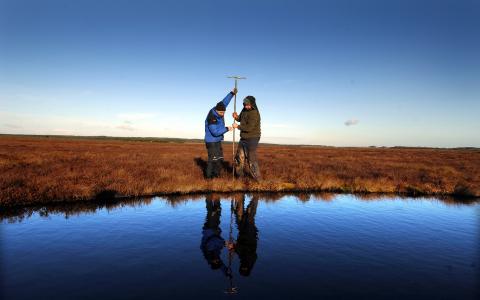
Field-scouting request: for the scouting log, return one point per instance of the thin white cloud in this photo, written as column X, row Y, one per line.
column 351, row 122
column 12, row 126
column 63, row 131
column 273, row 125
column 127, row 125
column 135, row 116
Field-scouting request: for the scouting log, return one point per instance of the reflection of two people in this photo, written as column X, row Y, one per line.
column 246, row 244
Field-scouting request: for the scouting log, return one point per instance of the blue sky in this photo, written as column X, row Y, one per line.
column 341, row 73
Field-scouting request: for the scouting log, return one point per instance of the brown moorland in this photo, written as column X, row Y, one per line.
column 53, row 169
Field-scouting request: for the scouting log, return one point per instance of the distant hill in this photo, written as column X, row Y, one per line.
column 182, row 141
column 103, row 137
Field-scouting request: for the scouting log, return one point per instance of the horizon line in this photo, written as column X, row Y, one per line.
column 199, row 140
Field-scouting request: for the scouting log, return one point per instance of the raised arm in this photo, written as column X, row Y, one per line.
column 229, row 97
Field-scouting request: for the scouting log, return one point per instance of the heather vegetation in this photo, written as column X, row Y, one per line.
column 42, row 169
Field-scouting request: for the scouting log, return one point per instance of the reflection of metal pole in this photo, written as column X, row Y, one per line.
column 231, row 289
column 234, row 110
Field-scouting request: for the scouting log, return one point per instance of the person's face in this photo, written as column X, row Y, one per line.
column 220, row 113
column 247, row 106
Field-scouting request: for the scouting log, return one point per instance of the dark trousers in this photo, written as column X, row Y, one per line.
column 247, row 156
column 215, row 159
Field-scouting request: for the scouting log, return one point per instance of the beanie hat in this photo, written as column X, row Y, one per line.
column 220, row 106
column 249, row 100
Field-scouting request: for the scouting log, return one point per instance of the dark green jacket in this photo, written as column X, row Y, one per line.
column 249, row 124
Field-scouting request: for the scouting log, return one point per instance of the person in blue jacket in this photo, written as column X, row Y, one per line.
column 214, row 130
column 212, row 241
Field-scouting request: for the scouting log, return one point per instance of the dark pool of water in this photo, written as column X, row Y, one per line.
column 284, row 247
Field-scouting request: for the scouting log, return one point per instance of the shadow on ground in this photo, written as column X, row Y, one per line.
column 202, row 164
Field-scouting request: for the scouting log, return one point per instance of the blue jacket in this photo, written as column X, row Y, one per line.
column 215, row 125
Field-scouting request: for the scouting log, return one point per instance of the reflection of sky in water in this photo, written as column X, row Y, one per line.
column 338, row 246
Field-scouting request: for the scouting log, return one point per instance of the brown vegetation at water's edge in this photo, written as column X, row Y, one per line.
column 38, row 170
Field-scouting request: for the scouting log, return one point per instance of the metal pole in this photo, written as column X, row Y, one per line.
column 234, row 121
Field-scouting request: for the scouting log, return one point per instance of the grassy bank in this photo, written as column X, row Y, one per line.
column 77, row 208
column 42, row 169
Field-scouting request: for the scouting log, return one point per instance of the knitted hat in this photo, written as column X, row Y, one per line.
column 249, row 100
column 220, row 106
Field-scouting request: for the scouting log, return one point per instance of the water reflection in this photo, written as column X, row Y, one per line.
column 70, row 209
column 212, row 241
column 351, row 246
column 245, row 244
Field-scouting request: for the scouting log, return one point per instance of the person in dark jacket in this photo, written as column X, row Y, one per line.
column 214, row 130
column 250, row 133
column 246, row 245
